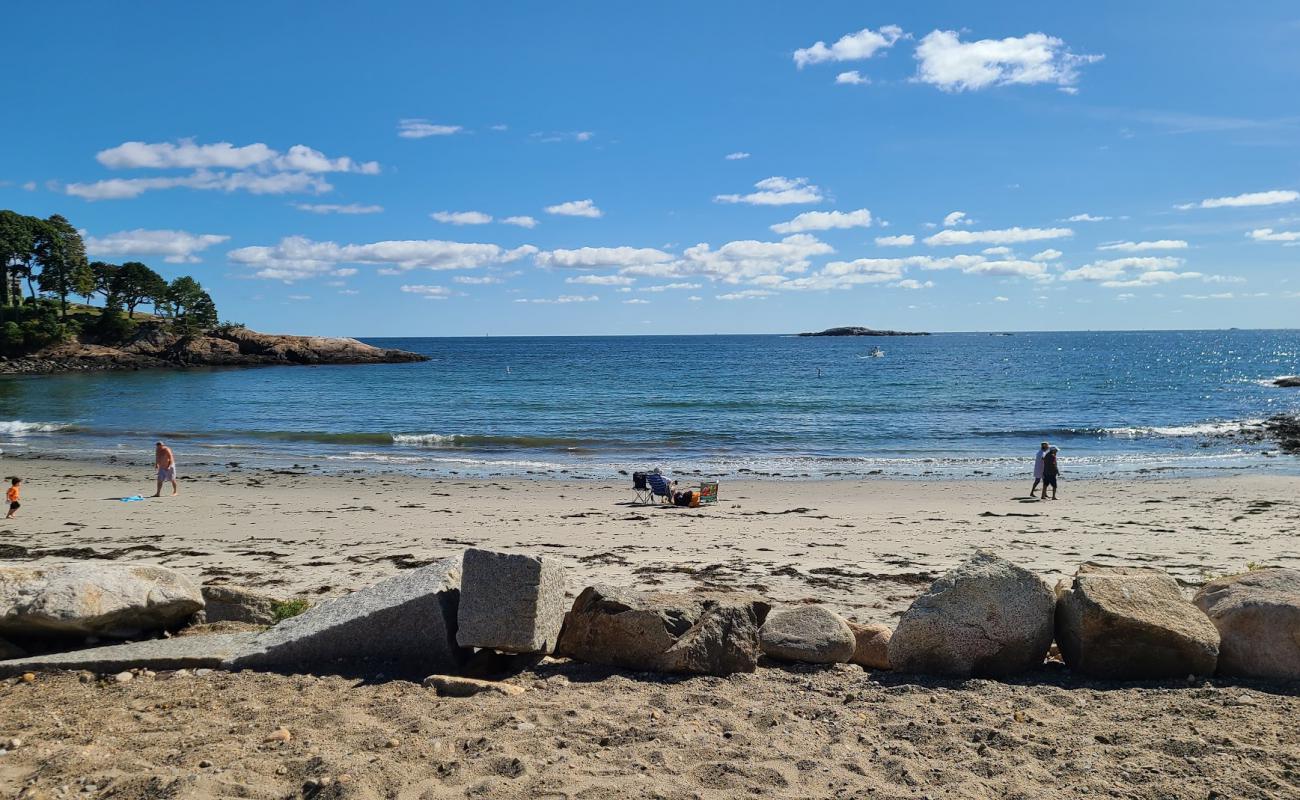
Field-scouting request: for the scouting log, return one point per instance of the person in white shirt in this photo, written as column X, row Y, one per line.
column 1038, row 466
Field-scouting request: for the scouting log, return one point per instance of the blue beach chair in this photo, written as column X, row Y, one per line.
column 659, row 487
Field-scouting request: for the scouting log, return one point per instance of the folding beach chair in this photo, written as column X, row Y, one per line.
column 642, row 488
column 708, row 492
column 659, row 487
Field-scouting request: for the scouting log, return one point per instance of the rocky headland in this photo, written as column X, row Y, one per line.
column 854, row 330
column 156, row 347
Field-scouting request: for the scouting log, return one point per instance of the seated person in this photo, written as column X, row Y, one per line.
column 660, row 485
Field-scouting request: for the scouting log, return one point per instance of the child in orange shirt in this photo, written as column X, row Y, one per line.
column 12, row 497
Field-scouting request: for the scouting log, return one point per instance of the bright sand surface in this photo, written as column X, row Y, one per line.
column 582, row 732
column 866, row 547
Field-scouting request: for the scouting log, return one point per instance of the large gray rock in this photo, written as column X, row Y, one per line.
column 510, row 602
column 704, row 633
column 408, row 620
column 1258, row 618
column 1132, row 623
column 93, row 599
column 176, row 653
column 225, row 603
column 813, row 634
column 985, row 618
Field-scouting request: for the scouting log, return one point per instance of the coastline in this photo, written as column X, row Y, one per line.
column 864, row 547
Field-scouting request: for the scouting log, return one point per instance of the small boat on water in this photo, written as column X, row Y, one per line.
column 876, row 352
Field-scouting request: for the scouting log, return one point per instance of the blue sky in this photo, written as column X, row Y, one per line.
column 729, row 167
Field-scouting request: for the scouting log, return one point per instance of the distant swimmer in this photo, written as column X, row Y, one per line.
column 819, row 372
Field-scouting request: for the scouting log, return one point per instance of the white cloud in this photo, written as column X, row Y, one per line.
column 562, row 299
column 600, row 280
column 1270, row 235
column 741, row 261
column 334, row 208
column 575, row 208
column 299, row 297
column 1001, row 250
column 176, row 247
column 349, row 291
column 462, row 217
column 1008, row 268
column 186, row 154
column 252, row 182
column 499, row 127
column 902, row 240
column 1150, row 279
column 1116, row 268
column 296, row 257
column 29, row 186
column 911, row 283
column 777, row 191
column 1137, row 247
column 1001, row 299
column 851, row 47
column 954, row 66
column 736, row 156
column 636, row 301
column 598, row 257
column 747, row 294
column 521, row 221
column 427, row 292
column 1085, row 218
column 852, row 78
column 1050, row 254
column 1004, row 236
column 1272, row 197
column 824, row 221
column 1216, row 296
column 583, row 136
column 956, row 218
column 668, row 287
column 422, row 128
column 476, row 280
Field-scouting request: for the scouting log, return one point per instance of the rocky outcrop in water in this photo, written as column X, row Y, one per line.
column 1288, row 382
column 156, row 347
column 858, row 331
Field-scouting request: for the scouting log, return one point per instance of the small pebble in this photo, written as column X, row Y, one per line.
column 204, row 764
column 29, row 677
column 123, row 677
column 391, row 743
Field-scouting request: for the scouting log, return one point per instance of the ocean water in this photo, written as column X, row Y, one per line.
column 944, row 405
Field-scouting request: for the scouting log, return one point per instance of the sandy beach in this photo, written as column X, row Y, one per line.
column 865, row 548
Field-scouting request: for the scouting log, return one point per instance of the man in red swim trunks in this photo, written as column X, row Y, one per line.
column 165, row 461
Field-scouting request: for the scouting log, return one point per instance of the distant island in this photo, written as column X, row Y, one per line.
column 858, row 331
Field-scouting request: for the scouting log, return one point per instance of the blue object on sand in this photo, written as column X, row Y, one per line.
column 132, row 498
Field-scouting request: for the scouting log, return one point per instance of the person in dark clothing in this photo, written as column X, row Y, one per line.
column 1050, row 470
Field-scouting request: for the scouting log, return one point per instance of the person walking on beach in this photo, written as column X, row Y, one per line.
column 1050, row 470
column 12, row 497
column 1038, row 467
column 165, row 462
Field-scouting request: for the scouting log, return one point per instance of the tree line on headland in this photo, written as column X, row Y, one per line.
column 48, row 256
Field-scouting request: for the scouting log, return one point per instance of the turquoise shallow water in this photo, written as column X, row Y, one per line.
column 948, row 404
